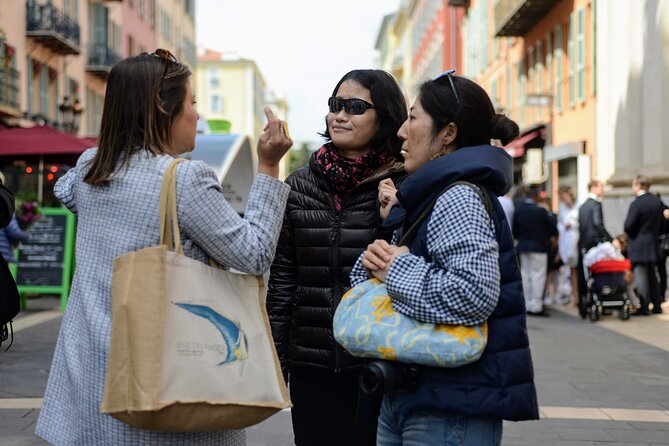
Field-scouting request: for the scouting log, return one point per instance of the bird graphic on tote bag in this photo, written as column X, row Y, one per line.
column 233, row 335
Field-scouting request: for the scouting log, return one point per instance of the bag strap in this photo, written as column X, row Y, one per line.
column 408, row 235
column 169, row 222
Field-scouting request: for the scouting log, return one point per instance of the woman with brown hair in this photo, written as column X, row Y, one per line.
column 148, row 119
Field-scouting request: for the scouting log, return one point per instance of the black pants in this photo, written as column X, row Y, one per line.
column 647, row 285
column 582, row 284
column 662, row 272
column 330, row 409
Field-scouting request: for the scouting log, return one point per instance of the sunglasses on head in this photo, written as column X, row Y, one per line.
column 166, row 57
column 352, row 106
column 449, row 75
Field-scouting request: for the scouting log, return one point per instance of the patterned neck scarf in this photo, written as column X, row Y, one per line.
column 345, row 173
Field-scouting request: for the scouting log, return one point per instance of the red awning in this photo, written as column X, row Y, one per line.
column 40, row 140
column 516, row 148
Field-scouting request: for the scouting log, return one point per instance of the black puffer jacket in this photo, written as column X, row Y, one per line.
column 316, row 251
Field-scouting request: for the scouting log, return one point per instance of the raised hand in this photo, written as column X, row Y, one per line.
column 387, row 197
column 272, row 144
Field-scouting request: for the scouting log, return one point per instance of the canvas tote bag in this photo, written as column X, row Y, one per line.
column 191, row 349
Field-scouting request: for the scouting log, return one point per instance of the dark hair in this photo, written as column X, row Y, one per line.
column 474, row 115
column 144, row 94
column 593, row 183
column 389, row 103
column 643, row 181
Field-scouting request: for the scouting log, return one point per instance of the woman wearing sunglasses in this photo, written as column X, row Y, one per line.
column 331, row 216
column 148, row 119
column 460, row 268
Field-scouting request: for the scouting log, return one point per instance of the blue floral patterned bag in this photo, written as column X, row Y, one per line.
column 366, row 325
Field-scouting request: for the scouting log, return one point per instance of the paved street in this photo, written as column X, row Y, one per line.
column 599, row 384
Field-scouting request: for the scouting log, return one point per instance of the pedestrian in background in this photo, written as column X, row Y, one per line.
column 591, row 233
column 643, row 226
column 6, row 205
column 148, row 119
column 332, row 215
column 507, row 204
column 664, row 251
column 459, row 268
column 10, row 236
column 533, row 228
column 568, row 238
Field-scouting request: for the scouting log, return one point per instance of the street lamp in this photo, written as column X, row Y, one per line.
column 71, row 114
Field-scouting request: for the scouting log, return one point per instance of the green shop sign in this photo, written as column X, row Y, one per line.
column 46, row 259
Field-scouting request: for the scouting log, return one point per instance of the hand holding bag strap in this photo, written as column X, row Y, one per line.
column 169, row 223
column 408, row 236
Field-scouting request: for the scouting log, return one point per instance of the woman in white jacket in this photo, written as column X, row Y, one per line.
column 568, row 243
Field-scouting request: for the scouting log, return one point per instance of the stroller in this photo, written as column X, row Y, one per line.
column 606, row 289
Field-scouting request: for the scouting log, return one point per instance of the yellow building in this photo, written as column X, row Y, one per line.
column 232, row 89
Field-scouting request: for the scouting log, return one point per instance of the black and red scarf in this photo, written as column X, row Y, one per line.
column 346, row 173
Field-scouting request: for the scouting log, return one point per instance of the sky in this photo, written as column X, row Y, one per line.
column 302, row 47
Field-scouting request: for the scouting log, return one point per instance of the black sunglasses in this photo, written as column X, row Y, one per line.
column 352, row 106
column 449, row 75
column 166, row 57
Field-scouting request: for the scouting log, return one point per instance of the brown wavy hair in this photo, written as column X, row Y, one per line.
column 144, row 94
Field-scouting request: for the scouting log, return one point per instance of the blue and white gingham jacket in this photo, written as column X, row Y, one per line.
column 119, row 218
column 460, row 283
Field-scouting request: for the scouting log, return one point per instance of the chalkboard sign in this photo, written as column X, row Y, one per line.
column 45, row 260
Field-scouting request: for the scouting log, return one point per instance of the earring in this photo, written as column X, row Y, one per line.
column 444, row 150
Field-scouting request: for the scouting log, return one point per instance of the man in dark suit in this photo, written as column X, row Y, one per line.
column 643, row 225
column 591, row 232
column 533, row 227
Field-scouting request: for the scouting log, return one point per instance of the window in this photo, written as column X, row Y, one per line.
column 55, row 98
column 215, row 104
column 521, row 90
column 531, row 75
column 31, row 92
column 571, row 56
column 214, row 78
column 580, row 55
column 558, row 68
column 494, row 95
column 593, row 47
column 509, row 96
column 44, row 90
column 549, row 64
column 483, row 23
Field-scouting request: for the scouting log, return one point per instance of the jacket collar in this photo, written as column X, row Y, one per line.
column 489, row 166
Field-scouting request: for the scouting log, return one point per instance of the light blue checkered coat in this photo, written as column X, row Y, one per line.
column 123, row 217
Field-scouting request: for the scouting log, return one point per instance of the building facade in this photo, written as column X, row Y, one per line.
column 55, row 55
column 232, row 89
column 537, row 61
column 632, row 100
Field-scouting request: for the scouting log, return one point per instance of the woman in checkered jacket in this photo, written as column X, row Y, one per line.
column 459, row 268
column 148, row 119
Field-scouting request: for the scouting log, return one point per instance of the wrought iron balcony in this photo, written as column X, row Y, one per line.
column 517, row 17
column 100, row 59
column 50, row 26
column 9, row 91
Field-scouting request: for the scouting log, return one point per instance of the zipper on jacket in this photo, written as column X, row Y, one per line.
column 336, row 298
